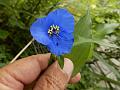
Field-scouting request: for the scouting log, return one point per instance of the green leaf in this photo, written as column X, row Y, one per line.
column 52, row 59
column 20, row 24
column 84, row 40
column 4, row 2
column 102, row 77
column 103, row 29
column 81, row 52
column 12, row 21
column 61, row 61
column 2, row 55
column 3, row 34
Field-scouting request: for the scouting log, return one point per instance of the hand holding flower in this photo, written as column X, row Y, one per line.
column 18, row 75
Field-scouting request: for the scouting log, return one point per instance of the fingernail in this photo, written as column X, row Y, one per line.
column 68, row 66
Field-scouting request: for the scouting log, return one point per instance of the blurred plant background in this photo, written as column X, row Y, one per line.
column 99, row 72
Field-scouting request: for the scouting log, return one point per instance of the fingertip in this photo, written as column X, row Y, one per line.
column 43, row 60
column 55, row 78
column 75, row 79
column 68, row 67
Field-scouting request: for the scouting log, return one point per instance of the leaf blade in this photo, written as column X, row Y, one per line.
column 3, row 34
column 60, row 61
column 82, row 51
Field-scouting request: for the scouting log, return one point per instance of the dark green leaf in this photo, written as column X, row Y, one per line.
column 2, row 55
column 81, row 52
column 20, row 24
column 4, row 2
column 13, row 21
column 52, row 59
column 61, row 61
column 3, row 34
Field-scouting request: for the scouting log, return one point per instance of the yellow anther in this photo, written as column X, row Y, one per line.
column 54, row 29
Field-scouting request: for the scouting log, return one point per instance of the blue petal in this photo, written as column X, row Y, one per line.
column 65, row 45
column 62, row 46
column 62, row 18
column 66, row 36
column 39, row 30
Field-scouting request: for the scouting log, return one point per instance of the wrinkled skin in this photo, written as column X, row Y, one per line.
column 28, row 73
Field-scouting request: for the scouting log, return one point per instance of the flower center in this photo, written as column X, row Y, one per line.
column 54, row 29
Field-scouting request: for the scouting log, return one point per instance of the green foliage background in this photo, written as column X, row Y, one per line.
column 97, row 35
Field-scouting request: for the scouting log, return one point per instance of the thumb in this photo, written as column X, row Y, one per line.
column 54, row 78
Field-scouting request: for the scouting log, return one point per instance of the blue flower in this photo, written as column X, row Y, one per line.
column 55, row 31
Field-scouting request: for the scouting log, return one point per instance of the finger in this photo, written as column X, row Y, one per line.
column 55, row 78
column 23, row 71
column 75, row 79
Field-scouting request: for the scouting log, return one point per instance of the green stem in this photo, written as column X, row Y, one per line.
column 108, row 79
column 52, row 59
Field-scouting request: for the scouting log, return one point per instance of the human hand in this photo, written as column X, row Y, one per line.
column 18, row 75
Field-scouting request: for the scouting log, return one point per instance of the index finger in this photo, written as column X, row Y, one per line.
column 27, row 69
